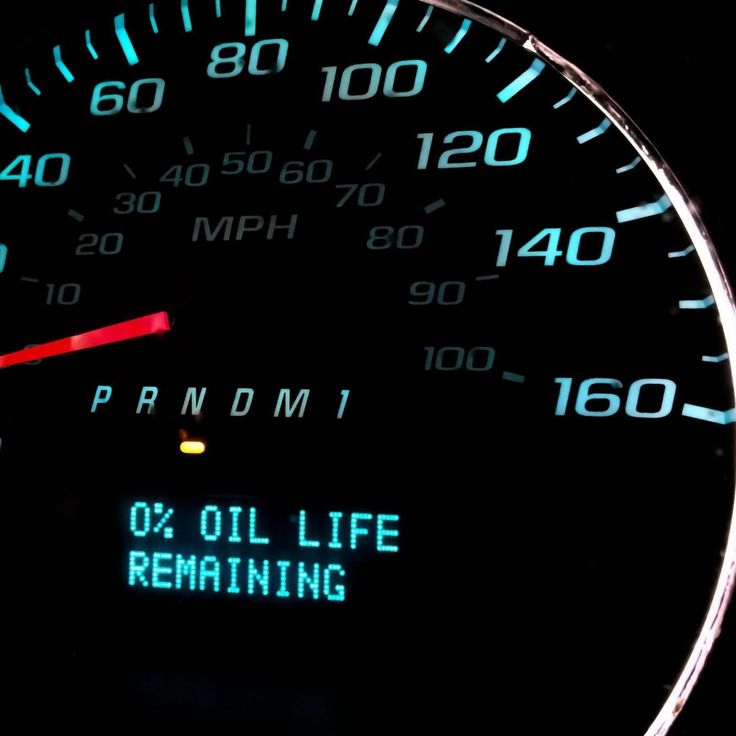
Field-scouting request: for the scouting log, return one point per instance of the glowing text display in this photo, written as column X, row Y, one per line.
column 243, row 551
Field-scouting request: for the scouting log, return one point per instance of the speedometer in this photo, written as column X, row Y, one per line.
column 364, row 367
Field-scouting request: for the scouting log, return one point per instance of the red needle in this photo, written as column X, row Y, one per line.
column 152, row 324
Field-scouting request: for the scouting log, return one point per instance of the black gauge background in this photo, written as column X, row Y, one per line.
column 670, row 71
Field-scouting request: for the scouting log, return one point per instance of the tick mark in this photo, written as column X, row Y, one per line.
column 316, row 9
column 645, row 210
column 706, row 303
column 36, row 91
column 565, row 100
column 186, row 16
column 459, row 36
column 129, row 171
column 11, row 116
column 682, row 253
column 311, row 137
column 513, row 377
column 714, row 416
column 30, row 280
column 78, row 216
column 715, row 358
column 492, row 277
column 374, row 161
column 126, row 44
column 496, row 51
column 251, row 11
column 152, row 17
column 595, row 133
column 61, row 66
column 434, row 206
column 188, row 147
column 383, row 23
column 423, row 22
column 522, row 81
column 629, row 167
column 90, row 46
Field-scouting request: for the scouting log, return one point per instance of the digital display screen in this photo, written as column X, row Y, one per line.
column 243, row 551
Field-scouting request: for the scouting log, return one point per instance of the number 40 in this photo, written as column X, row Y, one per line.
column 51, row 170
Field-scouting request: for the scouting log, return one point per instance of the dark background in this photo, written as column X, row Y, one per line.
column 671, row 72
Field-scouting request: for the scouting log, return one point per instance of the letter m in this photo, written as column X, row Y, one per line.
column 223, row 230
column 287, row 406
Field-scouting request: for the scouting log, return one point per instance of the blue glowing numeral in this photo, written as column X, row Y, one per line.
column 407, row 237
column 228, row 59
column 140, row 519
column 365, row 195
column 310, row 172
column 63, row 295
column 3, row 256
column 105, row 103
column 667, row 402
column 452, row 359
column 502, row 142
column 257, row 162
column 606, row 246
column 446, row 294
column 425, row 150
column 370, row 87
column 146, row 203
column 416, row 67
column 551, row 252
column 592, row 402
column 41, row 179
column 363, row 81
column 91, row 244
column 195, row 175
column 599, row 404
column 144, row 96
column 504, row 147
column 476, row 142
column 21, row 170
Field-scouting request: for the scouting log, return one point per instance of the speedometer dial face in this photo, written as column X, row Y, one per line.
column 363, row 369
